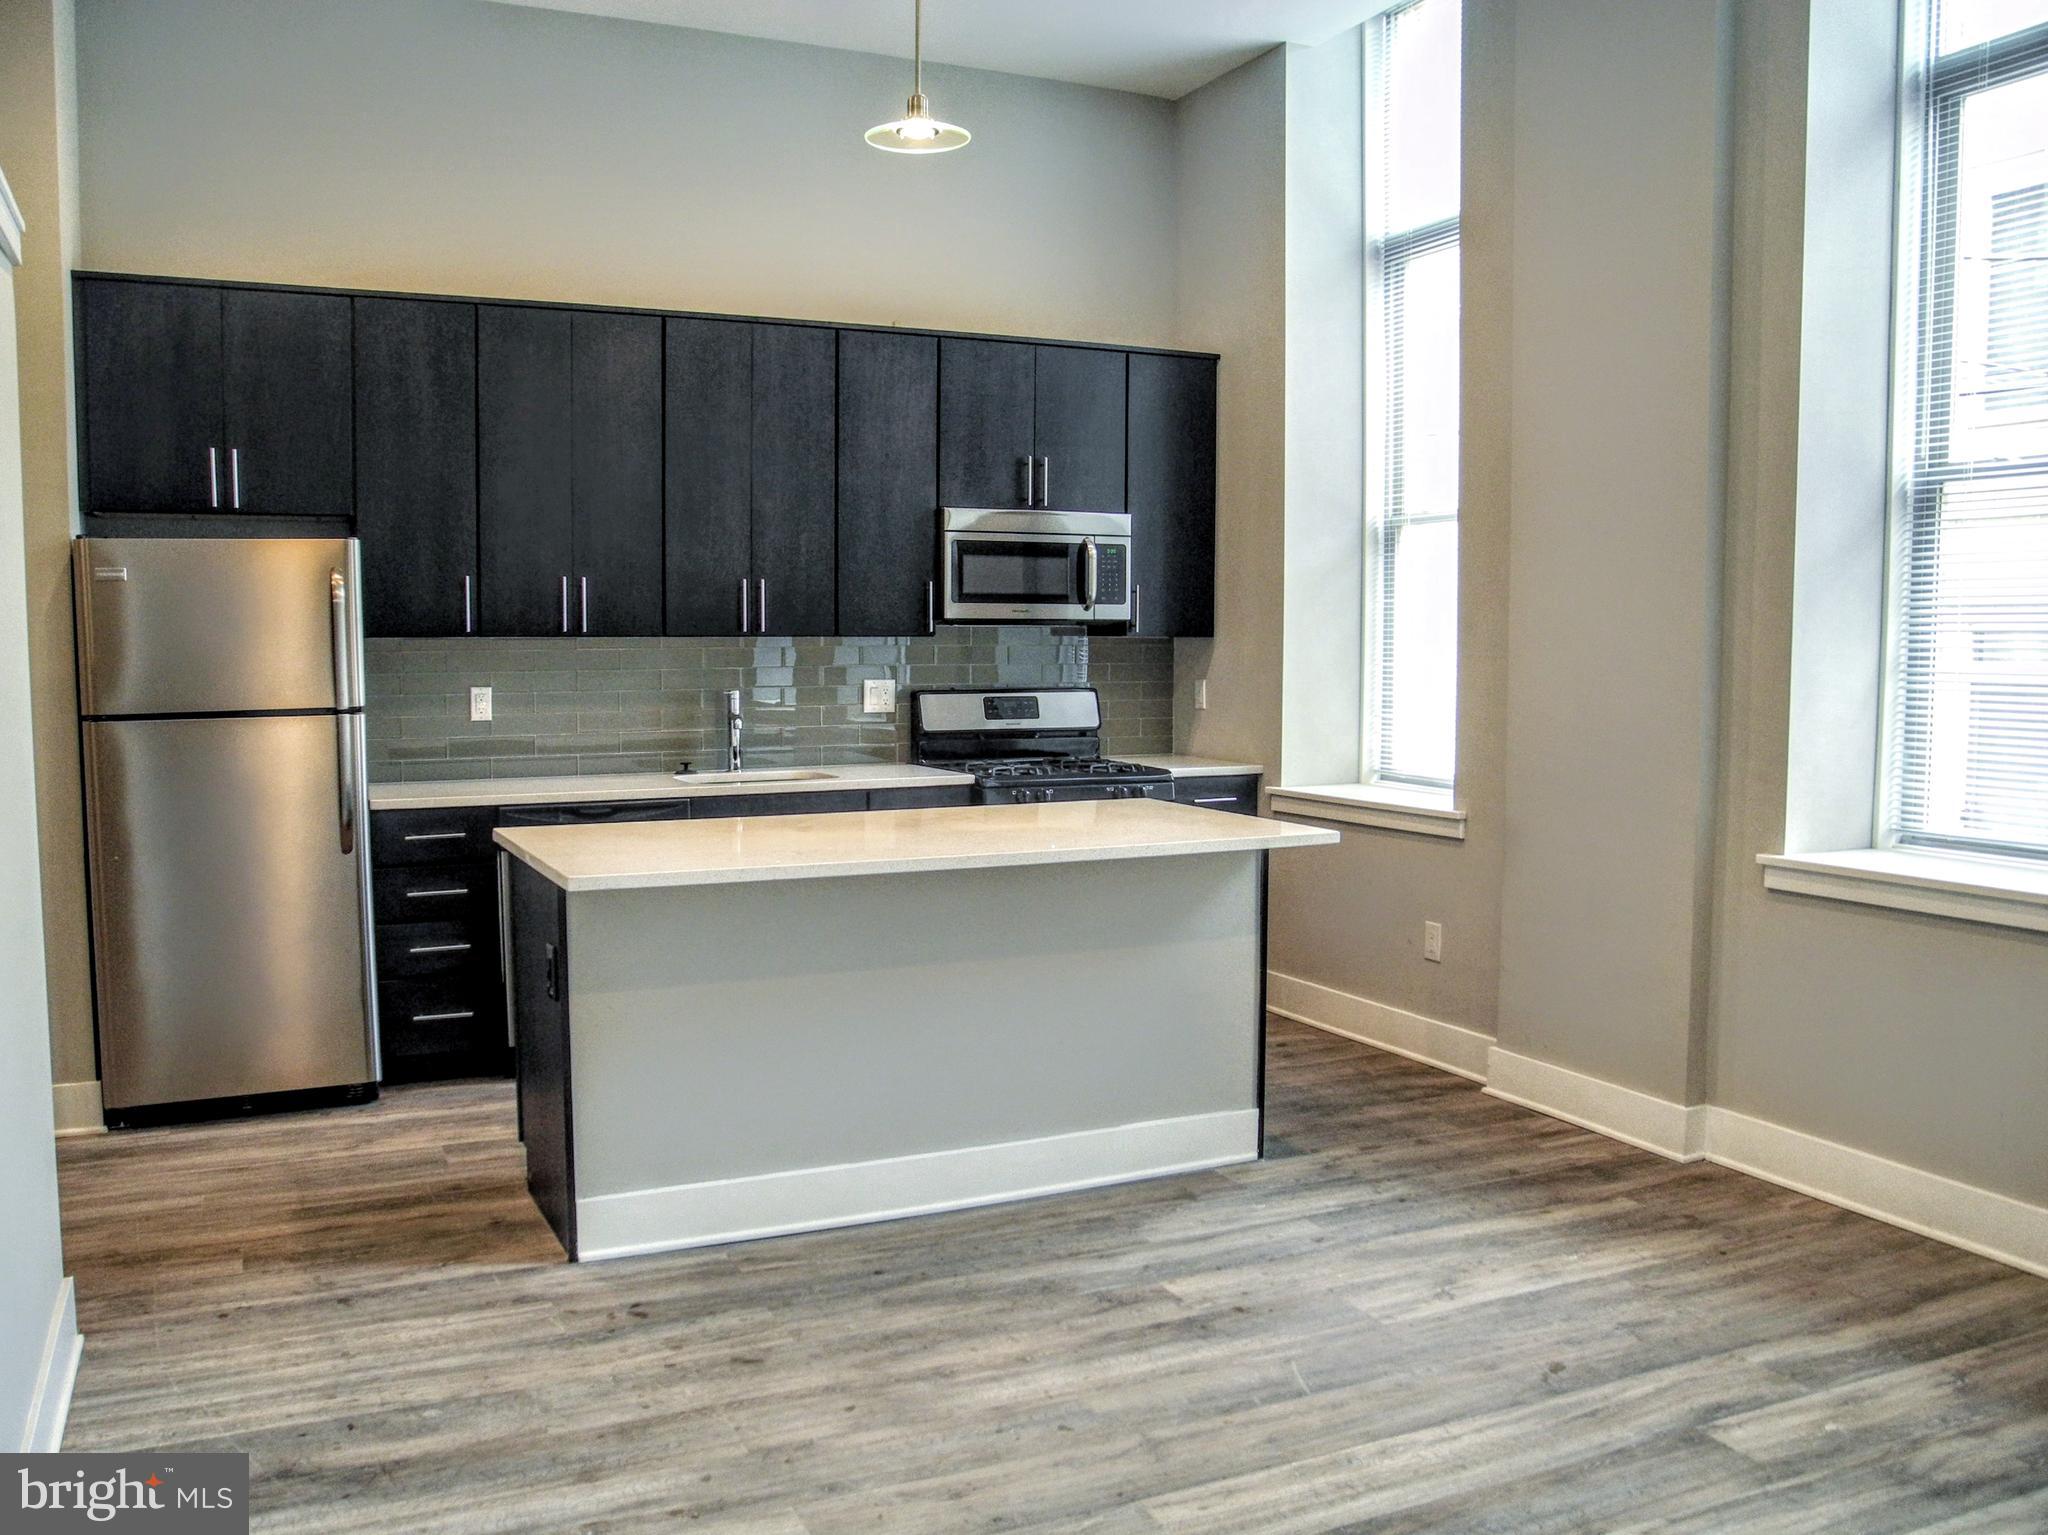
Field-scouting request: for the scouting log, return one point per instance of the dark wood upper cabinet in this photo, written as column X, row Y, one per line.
column 709, row 407
column 616, row 473
column 1172, row 435
column 1079, row 395
column 524, row 366
column 986, row 406
column 415, row 445
column 149, row 381
column 888, row 481
column 795, row 398
column 287, row 404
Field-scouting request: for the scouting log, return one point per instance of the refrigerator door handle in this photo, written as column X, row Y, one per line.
column 344, row 738
column 345, row 773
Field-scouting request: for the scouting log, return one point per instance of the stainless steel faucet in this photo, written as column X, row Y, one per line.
column 732, row 731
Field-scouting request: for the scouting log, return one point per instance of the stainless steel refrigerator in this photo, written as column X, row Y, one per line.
column 221, row 693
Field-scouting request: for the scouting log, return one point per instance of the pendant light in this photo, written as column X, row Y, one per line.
column 917, row 132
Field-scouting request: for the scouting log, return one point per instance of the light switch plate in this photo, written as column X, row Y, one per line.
column 479, row 705
column 878, row 695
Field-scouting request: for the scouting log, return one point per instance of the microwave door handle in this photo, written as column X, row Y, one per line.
column 1091, row 564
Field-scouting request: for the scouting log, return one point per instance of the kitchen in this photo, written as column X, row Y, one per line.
column 717, row 827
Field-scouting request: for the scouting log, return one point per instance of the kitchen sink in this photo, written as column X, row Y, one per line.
column 757, row 775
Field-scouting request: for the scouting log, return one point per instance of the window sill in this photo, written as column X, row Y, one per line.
column 1983, row 890
column 1424, row 812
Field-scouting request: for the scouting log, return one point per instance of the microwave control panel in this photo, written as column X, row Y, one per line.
column 1112, row 575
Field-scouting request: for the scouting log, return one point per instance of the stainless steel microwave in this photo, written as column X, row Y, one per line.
column 1034, row 567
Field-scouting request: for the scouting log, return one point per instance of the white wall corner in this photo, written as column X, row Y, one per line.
column 1674, row 1130
column 50, row 1408
column 11, row 225
column 77, row 1108
column 1447, row 1046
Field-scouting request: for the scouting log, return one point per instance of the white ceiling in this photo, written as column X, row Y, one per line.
column 1155, row 47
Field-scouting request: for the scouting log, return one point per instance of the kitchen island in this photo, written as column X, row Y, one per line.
column 741, row 1028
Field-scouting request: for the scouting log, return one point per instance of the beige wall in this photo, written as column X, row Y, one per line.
column 39, row 147
column 1230, row 177
column 31, row 1277
column 464, row 147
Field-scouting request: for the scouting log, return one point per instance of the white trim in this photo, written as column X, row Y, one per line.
column 1674, row 1130
column 12, row 226
column 1928, row 1204
column 1446, row 1046
column 49, row 1408
column 1975, row 1219
column 855, row 1193
column 77, row 1108
column 2001, row 892
column 1425, row 812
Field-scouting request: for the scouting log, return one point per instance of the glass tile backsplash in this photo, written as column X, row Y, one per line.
column 564, row 706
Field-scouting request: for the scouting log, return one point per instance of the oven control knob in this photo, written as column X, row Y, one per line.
column 1045, row 796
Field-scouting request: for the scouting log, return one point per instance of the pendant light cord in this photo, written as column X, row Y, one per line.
column 917, row 48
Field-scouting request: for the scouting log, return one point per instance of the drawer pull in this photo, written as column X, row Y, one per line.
column 443, row 1017
column 427, row 895
column 440, row 948
column 435, row 836
column 1223, row 799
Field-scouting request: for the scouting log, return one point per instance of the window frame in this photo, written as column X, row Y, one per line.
column 1387, row 255
column 1934, row 92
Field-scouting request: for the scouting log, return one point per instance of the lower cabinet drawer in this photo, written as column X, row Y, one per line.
column 430, row 836
column 921, row 799
column 418, row 950
column 442, row 1026
column 1238, row 795
column 436, row 893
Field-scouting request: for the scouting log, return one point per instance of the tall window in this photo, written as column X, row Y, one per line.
column 1411, row 661
column 1967, row 747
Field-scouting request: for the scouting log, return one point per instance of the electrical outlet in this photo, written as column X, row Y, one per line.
column 1201, row 692
column 479, row 705
column 878, row 695
column 1433, row 942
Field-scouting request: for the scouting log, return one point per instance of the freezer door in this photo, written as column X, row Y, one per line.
column 217, row 625
column 229, row 919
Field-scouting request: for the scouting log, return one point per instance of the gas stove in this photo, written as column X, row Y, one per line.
column 1027, row 745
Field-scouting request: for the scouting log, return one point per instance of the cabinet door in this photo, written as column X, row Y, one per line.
column 149, row 384
column 287, row 403
column 415, row 446
column 1080, row 429
column 985, row 421
column 888, row 481
column 708, row 490
column 1173, row 494
column 796, row 371
column 617, row 472
column 523, row 476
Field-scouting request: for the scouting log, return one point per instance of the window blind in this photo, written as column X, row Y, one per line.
column 1967, row 748
column 1413, row 84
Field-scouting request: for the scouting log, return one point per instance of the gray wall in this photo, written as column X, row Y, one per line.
column 1619, row 275
column 32, row 1274
column 463, row 147
column 638, row 705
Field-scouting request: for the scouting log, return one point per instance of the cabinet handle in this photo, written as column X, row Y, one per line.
column 746, row 623
column 565, row 604
column 213, row 477
column 235, row 476
column 444, row 1017
column 464, row 948
column 931, row 608
column 435, row 836
column 763, row 605
column 584, row 585
column 1030, row 480
column 468, row 605
column 1045, row 482
column 428, row 895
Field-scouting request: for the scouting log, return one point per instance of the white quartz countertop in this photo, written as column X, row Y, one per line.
column 592, row 788
column 661, row 854
column 1196, row 767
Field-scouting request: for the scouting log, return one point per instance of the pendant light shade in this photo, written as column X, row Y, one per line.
column 917, row 132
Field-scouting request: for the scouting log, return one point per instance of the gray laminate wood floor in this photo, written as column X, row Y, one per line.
column 1426, row 1310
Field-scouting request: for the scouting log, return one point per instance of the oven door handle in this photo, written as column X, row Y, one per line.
column 1091, row 565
